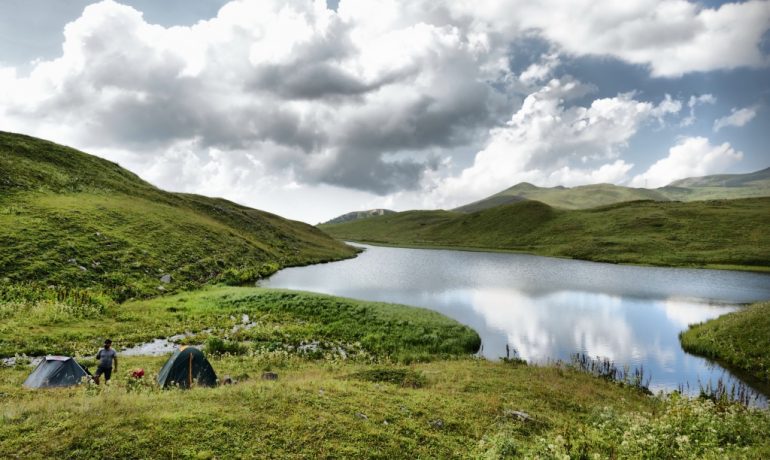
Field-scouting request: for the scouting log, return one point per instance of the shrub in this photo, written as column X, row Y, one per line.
column 217, row 346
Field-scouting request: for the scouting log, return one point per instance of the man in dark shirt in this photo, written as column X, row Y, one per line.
column 107, row 357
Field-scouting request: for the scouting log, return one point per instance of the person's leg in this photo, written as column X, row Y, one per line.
column 107, row 374
column 98, row 374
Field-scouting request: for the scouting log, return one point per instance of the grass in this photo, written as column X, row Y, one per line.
column 278, row 320
column 462, row 409
column 741, row 340
column 75, row 220
column 355, row 379
column 720, row 234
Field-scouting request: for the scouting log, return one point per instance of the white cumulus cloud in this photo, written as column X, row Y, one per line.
column 694, row 102
column 672, row 37
column 549, row 143
column 737, row 118
column 690, row 157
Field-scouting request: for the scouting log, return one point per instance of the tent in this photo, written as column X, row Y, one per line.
column 56, row 371
column 185, row 367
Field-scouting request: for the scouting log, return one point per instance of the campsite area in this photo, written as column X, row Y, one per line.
column 348, row 396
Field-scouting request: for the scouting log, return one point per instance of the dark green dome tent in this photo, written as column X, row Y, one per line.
column 56, row 371
column 185, row 367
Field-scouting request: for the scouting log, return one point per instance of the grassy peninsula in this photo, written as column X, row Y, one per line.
column 738, row 339
column 717, row 234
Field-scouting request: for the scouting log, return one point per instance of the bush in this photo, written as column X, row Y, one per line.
column 217, row 346
column 245, row 275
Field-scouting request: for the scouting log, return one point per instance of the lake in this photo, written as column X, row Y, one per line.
column 547, row 309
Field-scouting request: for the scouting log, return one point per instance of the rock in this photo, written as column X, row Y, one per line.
column 517, row 415
column 227, row 380
column 269, row 376
column 72, row 261
column 165, row 278
column 438, row 423
column 82, row 268
column 362, row 416
column 161, row 288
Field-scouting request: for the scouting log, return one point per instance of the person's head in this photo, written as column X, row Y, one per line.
column 107, row 343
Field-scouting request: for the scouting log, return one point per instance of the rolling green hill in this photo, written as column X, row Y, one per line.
column 725, row 186
column 719, row 186
column 724, row 233
column 583, row 197
column 74, row 220
column 357, row 215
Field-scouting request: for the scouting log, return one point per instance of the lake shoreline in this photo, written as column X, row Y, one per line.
column 734, row 268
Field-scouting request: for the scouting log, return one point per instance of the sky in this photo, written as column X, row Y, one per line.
column 310, row 109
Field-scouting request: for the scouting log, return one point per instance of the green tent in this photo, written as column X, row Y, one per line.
column 56, row 371
column 185, row 368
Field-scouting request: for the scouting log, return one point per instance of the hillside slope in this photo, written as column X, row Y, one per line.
column 71, row 219
column 727, row 233
column 719, row 186
column 723, row 186
column 583, row 197
column 357, row 215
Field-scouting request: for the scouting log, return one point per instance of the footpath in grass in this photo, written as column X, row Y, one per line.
column 740, row 339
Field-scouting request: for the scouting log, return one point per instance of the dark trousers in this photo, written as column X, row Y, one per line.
column 107, row 371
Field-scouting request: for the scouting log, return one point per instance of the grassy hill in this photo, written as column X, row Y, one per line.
column 71, row 219
column 723, row 233
column 725, row 186
column 720, row 186
column 583, row 197
column 357, row 215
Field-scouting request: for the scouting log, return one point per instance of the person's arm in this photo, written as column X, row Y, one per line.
column 99, row 354
column 115, row 362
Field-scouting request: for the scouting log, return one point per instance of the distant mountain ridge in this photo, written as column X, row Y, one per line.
column 722, row 186
column 358, row 215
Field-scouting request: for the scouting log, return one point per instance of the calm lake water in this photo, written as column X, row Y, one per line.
column 546, row 308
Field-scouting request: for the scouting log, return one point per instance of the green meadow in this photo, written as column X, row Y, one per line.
column 715, row 234
column 417, row 394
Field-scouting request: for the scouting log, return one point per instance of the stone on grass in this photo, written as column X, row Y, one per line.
column 269, row 376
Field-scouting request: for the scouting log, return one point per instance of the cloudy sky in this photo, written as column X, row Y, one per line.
column 310, row 108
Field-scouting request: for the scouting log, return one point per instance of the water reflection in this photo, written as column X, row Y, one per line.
column 547, row 309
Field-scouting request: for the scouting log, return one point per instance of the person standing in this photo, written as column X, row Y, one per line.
column 108, row 360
